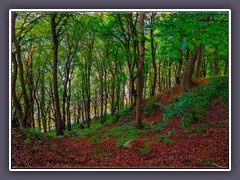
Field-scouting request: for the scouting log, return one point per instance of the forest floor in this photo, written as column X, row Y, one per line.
column 155, row 146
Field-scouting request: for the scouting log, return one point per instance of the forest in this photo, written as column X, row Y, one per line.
column 119, row 89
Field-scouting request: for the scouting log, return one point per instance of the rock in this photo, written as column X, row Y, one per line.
column 128, row 144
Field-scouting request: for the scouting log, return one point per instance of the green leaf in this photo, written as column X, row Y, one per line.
column 184, row 45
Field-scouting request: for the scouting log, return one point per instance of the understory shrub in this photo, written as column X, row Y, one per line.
column 191, row 106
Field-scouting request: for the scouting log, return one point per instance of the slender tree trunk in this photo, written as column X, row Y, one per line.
column 39, row 115
column 78, row 112
column 113, row 95
column 199, row 61
column 159, row 76
column 140, row 77
column 204, row 67
column 101, row 97
column 24, row 114
column 83, row 107
column 106, row 91
column 226, row 68
column 55, row 83
column 169, row 72
column 16, row 102
column 49, row 117
column 163, row 68
column 178, row 78
column 153, row 52
column 215, row 70
column 68, row 107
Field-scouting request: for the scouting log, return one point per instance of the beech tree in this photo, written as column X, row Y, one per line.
column 140, row 77
column 78, row 67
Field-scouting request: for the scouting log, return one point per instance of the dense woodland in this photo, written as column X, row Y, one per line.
column 75, row 74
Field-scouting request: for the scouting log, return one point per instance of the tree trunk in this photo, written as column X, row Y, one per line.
column 24, row 114
column 178, row 78
column 153, row 53
column 16, row 102
column 169, row 72
column 55, row 83
column 226, row 68
column 68, row 107
column 199, row 61
column 139, row 77
column 113, row 95
column 106, row 92
column 187, row 76
column 215, row 69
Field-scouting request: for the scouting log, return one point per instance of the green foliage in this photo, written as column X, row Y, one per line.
column 123, row 112
column 224, row 123
column 54, row 146
column 212, row 123
column 144, row 150
column 191, row 106
column 105, row 154
column 148, row 109
column 122, row 141
column 166, row 138
column 95, row 140
column 33, row 133
column 208, row 161
column 158, row 127
column 132, row 133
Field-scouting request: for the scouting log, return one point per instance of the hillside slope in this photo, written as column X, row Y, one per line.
column 188, row 131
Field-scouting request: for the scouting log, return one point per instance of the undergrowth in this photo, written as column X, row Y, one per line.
column 191, row 106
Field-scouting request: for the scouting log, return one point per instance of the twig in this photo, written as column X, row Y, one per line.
column 218, row 165
column 150, row 157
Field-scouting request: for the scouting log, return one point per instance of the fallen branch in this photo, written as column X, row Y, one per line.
column 150, row 157
column 214, row 164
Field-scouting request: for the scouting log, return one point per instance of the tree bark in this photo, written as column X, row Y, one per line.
column 153, row 53
column 187, row 76
column 199, row 61
column 178, row 78
column 215, row 69
column 68, row 107
column 55, row 83
column 24, row 114
column 140, row 77
column 226, row 68
column 16, row 102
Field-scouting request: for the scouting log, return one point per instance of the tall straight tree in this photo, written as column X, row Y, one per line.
column 56, row 32
column 153, row 54
column 139, row 123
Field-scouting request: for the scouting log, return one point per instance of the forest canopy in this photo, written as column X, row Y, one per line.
column 72, row 67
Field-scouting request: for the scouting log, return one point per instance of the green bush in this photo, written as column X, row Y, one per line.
column 148, row 109
column 33, row 133
column 191, row 106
